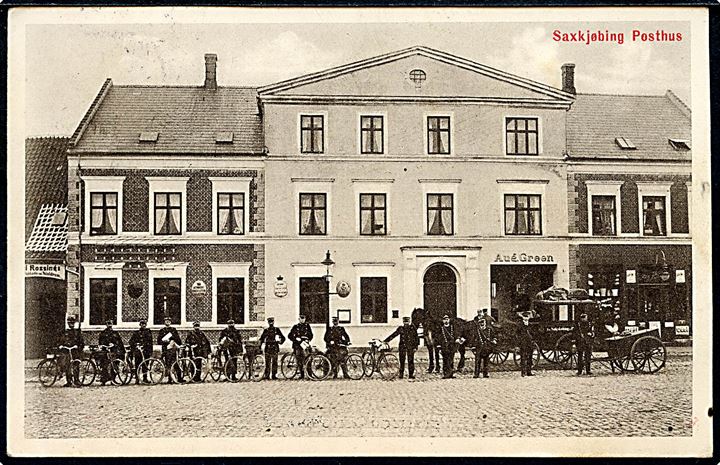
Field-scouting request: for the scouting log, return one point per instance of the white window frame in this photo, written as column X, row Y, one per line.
column 449, row 114
column 360, row 115
column 324, row 114
column 97, row 184
column 171, row 185
column 163, row 270
column 313, row 186
column 539, row 130
column 604, row 188
column 231, row 270
column 372, row 186
column 238, row 185
column 101, row 271
column 531, row 187
column 440, row 186
column 372, row 270
column 657, row 189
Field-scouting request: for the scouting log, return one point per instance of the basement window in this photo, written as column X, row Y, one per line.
column 624, row 143
column 148, row 136
column 679, row 144
column 224, row 138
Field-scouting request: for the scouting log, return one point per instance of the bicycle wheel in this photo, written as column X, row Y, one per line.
column 368, row 363
column 234, row 369
column 257, row 368
column 183, row 371
column 388, row 366
column 47, row 372
column 289, row 366
column 120, row 373
column 204, row 368
column 86, row 371
column 151, row 370
column 354, row 366
column 216, row 368
column 318, row 367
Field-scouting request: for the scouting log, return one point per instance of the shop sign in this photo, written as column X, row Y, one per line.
column 632, row 329
column 281, row 289
column 342, row 289
column 630, row 277
column 679, row 276
column 39, row 270
column 198, row 288
column 682, row 330
column 524, row 258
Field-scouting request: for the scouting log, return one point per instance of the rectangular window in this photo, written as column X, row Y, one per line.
column 371, row 134
column 373, row 300
column 166, row 300
column 440, row 214
column 167, row 213
column 438, row 135
column 103, row 213
column 314, row 300
column 231, row 213
column 523, row 215
column 103, row 300
column 603, row 215
column 654, row 216
column 231, row 300
column 312, row 130
column 313, row 214
column 372, row 214
column 521, row 136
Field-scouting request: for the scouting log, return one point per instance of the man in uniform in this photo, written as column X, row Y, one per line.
column 272, row 337
column 447, row 341
column 584, row 335
column 489, row 320
column 169, row 339
column 231, row 343
column 114, row 343
column 72, row 339
column 141, row 347
column 299, row 333
column 485, row 341
column 336, row 342
column 407, row 346
column 525, row 343
column 200, row 345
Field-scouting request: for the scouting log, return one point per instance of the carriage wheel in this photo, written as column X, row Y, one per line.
column 235, row 369
column 318, row 367
column 388, row 367
column 549, row 354
column 625, row 364
column 257, row 368
column 354, row 366
column 368, row 363
column 648, row 354
column 566, row 352
column 47, row 372
column 497, row 357
column 289, row 366
column 535, row 356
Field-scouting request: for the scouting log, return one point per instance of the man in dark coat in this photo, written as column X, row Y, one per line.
column 484, row 340
column 272, row 337
column 336, row 341
column 200, row 345
column 584, row 334
column 169, row 339
column 141, row 347
column 113, row 343
column 447, row 340
column 231, row 344
column 299, row 333
column 525, row 343
column 407, row 346
column 71, row 339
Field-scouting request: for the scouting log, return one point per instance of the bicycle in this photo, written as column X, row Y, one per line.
column 251, row 362
column 319, row 367
column 152, row 369
column 385, row 363
column 49, row 370
column 119, row 371
column 214, row 366
column 289, row 366
column 183, row 369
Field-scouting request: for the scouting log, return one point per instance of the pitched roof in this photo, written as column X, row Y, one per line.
column 647, row 122
column 49, row 233
column 45, row 175
column 187, row 120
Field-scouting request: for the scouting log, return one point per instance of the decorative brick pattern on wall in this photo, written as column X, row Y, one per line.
column 74, row 296
column 257, row 284
column 573, row 264
column 133, row 309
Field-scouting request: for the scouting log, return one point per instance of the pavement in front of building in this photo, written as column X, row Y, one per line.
column 552, row 403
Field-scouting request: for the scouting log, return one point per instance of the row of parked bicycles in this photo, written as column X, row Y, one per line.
column 188, row 368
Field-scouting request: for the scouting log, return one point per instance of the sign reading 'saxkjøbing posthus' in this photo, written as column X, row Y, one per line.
column 524, row 258
column 43, row 270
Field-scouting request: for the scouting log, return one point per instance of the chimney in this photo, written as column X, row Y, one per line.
column 568, row 78
column 210, row 71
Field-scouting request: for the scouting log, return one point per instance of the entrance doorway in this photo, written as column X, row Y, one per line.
column 514, row 286
column 440, row 291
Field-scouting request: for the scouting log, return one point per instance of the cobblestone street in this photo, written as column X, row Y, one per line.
column 553, row 403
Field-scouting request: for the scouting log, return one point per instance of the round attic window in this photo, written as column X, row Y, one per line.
column 418, row 76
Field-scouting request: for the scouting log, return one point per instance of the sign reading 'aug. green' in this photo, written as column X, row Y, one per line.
column 524, row 258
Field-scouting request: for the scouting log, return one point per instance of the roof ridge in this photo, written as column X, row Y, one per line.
column 677, row 101
column 620, row 95
column 97, row 101
column 48, row 136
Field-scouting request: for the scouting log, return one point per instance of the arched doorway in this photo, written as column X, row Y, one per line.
column 440, row 291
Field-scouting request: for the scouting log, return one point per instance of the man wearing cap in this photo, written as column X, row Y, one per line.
column 71, row 339
column 141, row 347
column 114, row 343
column 169, row 339
column 299, row 333
column 525, row 343
column 273, row 338
column 336, row 342
column 407, row 346
column 231, row 344
column 447, row 343
column 584, row 334
column 200, row 345
column 489, row 319
column 483, row 338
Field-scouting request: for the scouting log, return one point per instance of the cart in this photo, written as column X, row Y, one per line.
column 554, row 337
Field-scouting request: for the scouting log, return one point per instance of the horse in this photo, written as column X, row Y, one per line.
column 431, row 329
